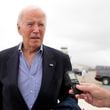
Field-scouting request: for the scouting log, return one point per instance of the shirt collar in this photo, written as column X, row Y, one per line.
column 21, row 44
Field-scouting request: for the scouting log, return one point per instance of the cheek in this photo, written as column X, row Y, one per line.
column 42, row 34
column 26, row 31
column 42, row 37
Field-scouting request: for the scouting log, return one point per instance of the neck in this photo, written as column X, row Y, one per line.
column 30, row 50
column 29, row 53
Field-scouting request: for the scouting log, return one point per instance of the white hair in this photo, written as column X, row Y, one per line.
column 28, row 8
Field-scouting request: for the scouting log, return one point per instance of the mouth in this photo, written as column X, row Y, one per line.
column 35, row 38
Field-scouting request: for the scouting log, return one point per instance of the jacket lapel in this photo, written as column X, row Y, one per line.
column 49, row 65
column 12, row 68
column 12, row 72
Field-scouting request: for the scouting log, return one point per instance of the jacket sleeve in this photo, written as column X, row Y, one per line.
column 1, row 102
column 67, row 102
column 1, row 96
column 66, row 83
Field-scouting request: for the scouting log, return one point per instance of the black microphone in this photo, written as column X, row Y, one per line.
column 74, row 82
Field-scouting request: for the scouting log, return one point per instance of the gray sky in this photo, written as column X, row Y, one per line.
column 81, row 25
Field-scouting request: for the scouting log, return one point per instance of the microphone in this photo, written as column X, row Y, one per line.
column 74, row 82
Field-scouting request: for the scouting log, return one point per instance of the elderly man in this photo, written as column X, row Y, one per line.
column 32, row 75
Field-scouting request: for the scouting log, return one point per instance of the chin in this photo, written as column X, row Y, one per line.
column 35, row 46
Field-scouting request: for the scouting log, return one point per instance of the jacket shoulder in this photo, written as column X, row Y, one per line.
column 55, row 51
column 7, row 52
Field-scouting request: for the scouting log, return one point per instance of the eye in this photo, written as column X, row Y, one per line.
column 30, row 24
column 41, row 24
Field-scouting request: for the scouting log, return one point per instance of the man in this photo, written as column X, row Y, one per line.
column 94, row 94
column 32, row 75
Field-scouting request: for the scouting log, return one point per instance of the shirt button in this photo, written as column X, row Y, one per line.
column 30, row 106
column 31, row 91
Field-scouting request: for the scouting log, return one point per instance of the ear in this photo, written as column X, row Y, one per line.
column 18, row 26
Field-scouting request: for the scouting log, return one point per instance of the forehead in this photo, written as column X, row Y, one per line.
column 32, row 14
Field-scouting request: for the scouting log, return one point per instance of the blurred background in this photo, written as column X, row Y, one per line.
column 80, row 28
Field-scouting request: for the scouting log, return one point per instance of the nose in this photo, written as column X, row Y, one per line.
column 36, row 28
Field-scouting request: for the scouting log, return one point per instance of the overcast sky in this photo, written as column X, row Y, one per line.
column 81, row 25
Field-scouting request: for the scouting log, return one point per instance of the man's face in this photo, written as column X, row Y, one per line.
column 32, row 28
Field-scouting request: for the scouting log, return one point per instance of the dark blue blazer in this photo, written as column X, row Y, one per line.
column 55, row 83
